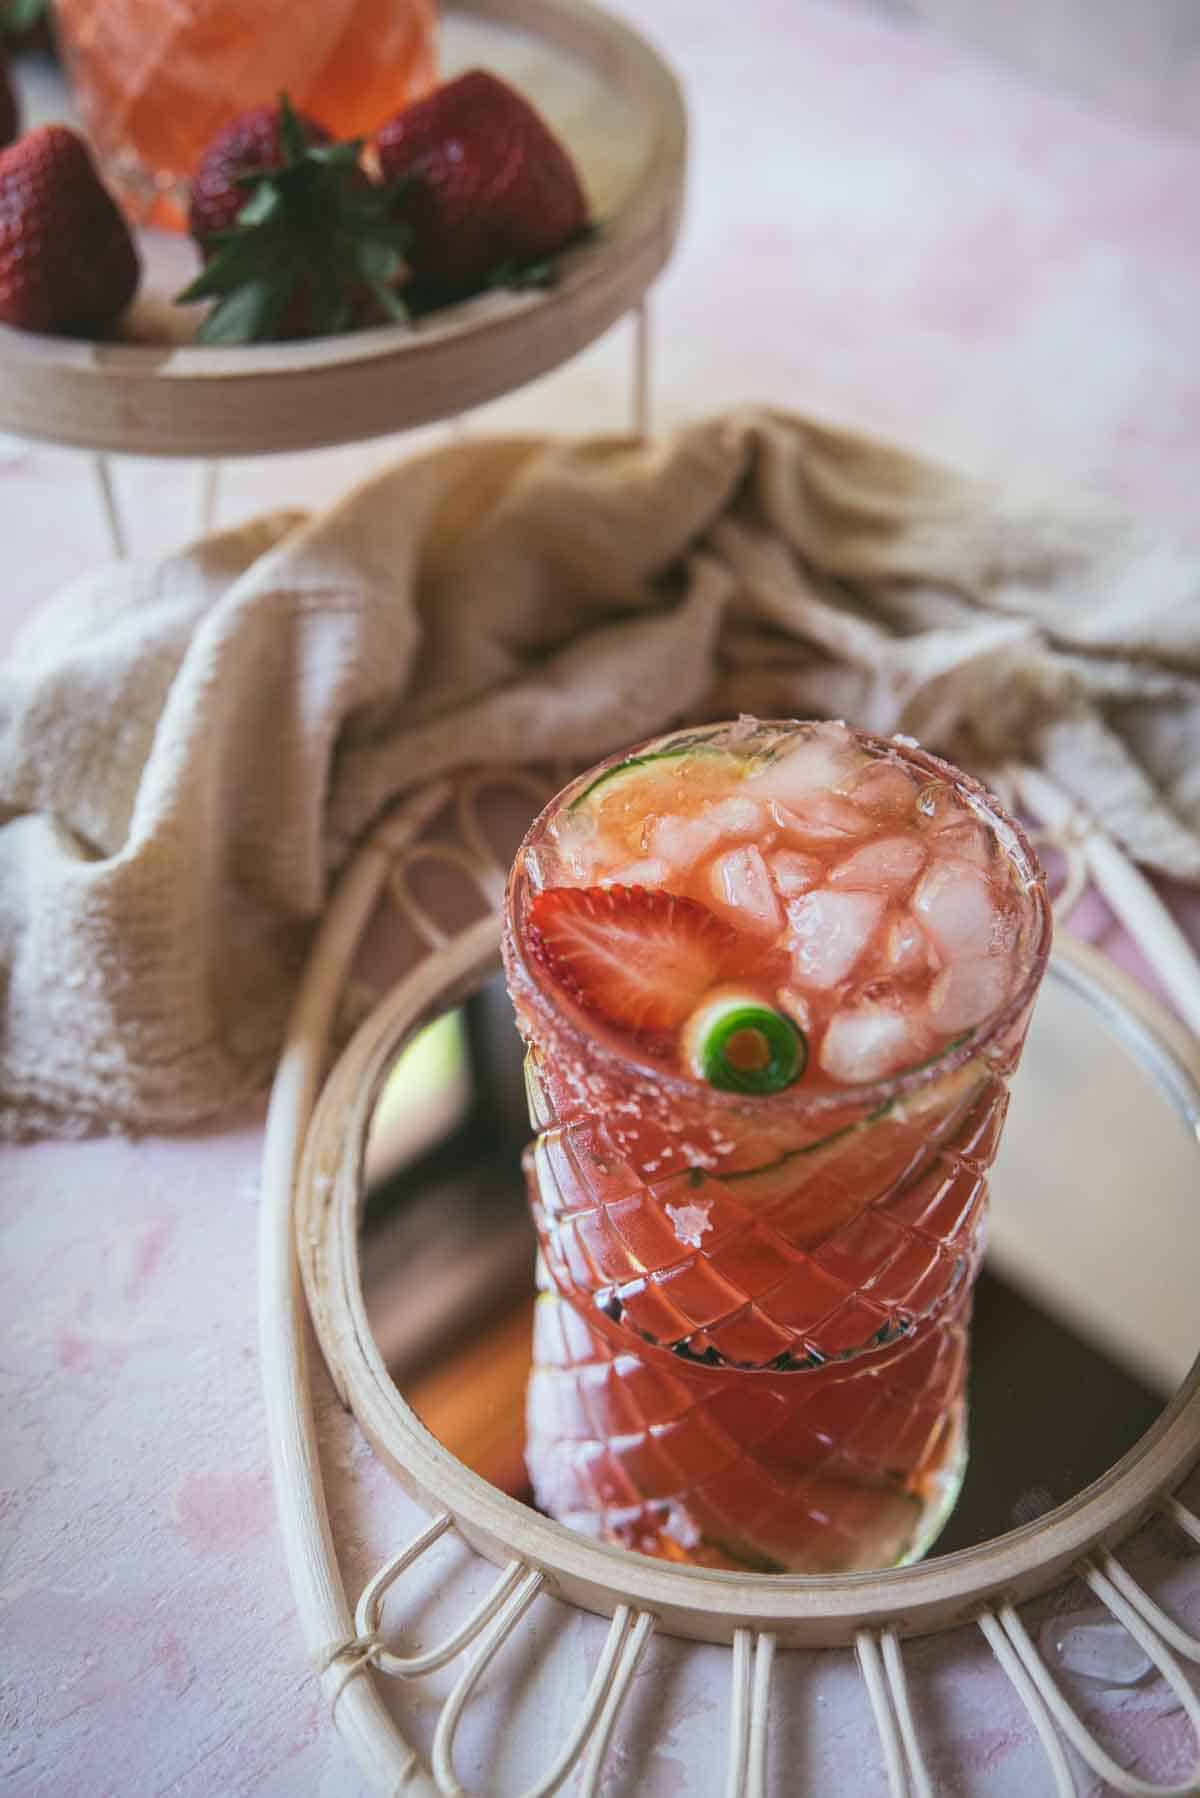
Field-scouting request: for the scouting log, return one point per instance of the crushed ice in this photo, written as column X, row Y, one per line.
column 1096, row 1646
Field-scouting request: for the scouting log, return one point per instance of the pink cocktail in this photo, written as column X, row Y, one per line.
column 156, row 79
column 773, row 979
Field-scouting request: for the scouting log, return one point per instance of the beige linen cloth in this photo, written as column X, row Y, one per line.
column 190, row 750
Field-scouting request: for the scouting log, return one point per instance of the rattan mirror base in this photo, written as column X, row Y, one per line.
column 312, row 1195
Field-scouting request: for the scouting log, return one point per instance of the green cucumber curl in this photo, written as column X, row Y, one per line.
column 739, row 1045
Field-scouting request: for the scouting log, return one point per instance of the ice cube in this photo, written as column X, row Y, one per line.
column 886, row 791
column 737, row 816
column 967, row 841
column 579, row 849
column 824, row 757
column 680, row 841
column 967, row 992
column 539, row 864
column 792, row 1001
column 794, row 872
column 683, row 841
column 869, row 1042
column 652, row 871
column 828, row 932
column 742, row 889
column 957, row 906
column 825, row 819
column 887, row 865
column 907, row 948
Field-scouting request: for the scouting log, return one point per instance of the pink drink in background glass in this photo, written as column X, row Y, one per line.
column 750, row 1348
column 156, row 79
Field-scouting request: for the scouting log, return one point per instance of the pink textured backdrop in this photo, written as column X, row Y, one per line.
column 887, row 231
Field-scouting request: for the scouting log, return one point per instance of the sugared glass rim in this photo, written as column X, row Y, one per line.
column 570, row 1037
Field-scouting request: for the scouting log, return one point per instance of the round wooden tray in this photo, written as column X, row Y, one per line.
column 312, row 1193
column 152, row 392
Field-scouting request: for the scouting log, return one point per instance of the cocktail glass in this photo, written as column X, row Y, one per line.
column 155, row 79
column 750, row 1348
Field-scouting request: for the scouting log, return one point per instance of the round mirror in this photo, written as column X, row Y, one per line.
column 1084, row 1314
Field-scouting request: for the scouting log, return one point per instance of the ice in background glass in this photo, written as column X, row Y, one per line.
column 750, row 1346
column 156, row 79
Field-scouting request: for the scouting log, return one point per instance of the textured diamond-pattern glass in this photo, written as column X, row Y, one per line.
column 841, row 1248
column 751, row 1343
column 155, row 79
column 849, row 1468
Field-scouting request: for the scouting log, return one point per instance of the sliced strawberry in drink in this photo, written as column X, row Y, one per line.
column 642, row 959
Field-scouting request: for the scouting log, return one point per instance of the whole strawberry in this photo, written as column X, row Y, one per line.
column 490, row 190
column 67, row 259
column 250, row 144
column 296, row 241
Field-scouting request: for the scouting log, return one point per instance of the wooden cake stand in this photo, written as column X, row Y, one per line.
column 153, row 391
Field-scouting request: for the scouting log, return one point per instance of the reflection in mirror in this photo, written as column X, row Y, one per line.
column 1083, row 1322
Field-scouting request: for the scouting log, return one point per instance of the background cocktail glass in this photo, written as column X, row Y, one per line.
column 155, row 79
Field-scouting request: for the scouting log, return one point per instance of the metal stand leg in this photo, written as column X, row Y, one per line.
column 210, row 492
column 109, row 506
column 640, row 399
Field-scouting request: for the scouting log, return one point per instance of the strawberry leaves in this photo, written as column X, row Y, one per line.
column 315, row 249
column 472, row 193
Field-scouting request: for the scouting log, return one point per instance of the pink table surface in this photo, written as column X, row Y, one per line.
column 887, row 231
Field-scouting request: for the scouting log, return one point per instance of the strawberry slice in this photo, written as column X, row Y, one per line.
column 641, row 958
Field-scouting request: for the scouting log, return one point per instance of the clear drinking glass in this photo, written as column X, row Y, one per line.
column 750, row 1347
column 155, row 79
